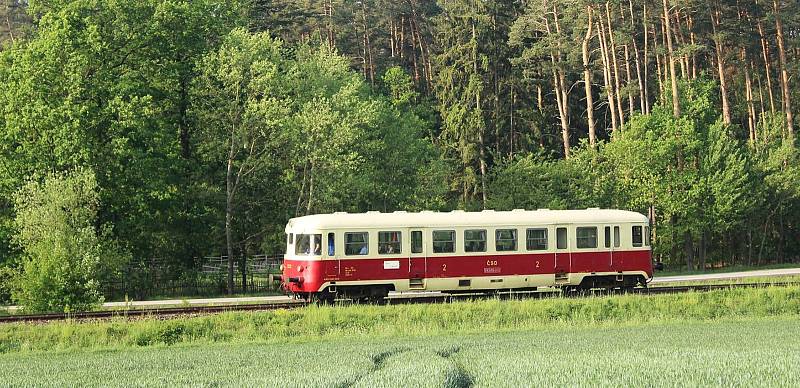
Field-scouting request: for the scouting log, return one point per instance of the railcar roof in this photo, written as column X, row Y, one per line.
column 461, row 218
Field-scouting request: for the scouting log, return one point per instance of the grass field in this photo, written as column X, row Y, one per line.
column 726, row 352
column 726, row 337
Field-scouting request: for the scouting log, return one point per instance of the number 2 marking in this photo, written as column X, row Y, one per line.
column 444, row 267
column 537, row 263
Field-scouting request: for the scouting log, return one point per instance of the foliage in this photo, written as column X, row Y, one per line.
column 65, row 256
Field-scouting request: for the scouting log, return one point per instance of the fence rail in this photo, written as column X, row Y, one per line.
column 208, row 277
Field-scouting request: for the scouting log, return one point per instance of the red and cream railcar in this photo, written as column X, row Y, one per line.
column 367, row 255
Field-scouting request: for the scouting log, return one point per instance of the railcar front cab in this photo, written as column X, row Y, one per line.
column 303, row 267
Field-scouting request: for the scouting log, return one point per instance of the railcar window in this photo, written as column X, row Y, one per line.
column 616, row 237
column 475, row 240
column 607, row 231
column 647, row 236
column 636, row 232
column 586, row 237
column 308, row 244
column 331, row 244
column 536, row 239
column 561, row 238
column 291, row 238
column 505, row 240
column 356, row 243
column 444, row 241
column 389, row 243
column 416, row 241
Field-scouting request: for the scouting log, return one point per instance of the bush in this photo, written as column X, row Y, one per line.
column 65, row 256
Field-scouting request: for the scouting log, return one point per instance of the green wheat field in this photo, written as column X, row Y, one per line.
column 721, row 338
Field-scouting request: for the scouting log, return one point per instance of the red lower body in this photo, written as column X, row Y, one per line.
column 308, row 276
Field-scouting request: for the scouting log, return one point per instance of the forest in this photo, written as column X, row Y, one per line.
column 179, row 129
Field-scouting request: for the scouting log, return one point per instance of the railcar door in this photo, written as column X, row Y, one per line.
column 418, row 259
column 616, row 258
column 563, row 255
column 331, row 258
column 606, row 255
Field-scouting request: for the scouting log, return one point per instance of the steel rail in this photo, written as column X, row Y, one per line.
column 163, row 313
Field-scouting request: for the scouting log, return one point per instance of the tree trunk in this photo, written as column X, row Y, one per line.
column 615, row 66
column 637, row 62
column 612, row 101
column 414, row 53
column 587, row 78
column 676, row 105
column 723, row 84
column 369, row 66
column 684, row 58
column 311, row 173
column 688, row 248
column 628, row 78
column 229, row 193
column 560, row 89
column 693, row 41
column 482, row 146
column 751, row 109
column 645, row 60
column 767, row 65
column 787, row 98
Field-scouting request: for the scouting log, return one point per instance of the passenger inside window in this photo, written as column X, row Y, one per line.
column 356, row 243
column 389, row 243
column 331, row 244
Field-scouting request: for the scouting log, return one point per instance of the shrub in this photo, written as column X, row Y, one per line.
column 65, row 256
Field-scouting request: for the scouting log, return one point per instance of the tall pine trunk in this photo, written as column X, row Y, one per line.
column 723, row 84
column 767, row 65
column 787, row 98
column 676, row 104
column 587, row 77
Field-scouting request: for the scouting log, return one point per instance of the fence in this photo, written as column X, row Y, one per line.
column 157, row 278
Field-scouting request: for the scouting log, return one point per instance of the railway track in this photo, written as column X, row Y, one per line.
column 168, row 312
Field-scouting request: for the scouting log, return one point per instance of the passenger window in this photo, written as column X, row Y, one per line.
column 475, row 240
column 505, row 240
column 308, row 244
column 331, row 239
column 416, row 241
column 647, row 236
column 444, row 241
column 586, row 237
column 389, row 243
column 636, row 235
column 536, row 239
column 561, row 238
column 356, row 243
column 607, row 231
column 616, row 237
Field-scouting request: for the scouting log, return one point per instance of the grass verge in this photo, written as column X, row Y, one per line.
column 401, row 320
